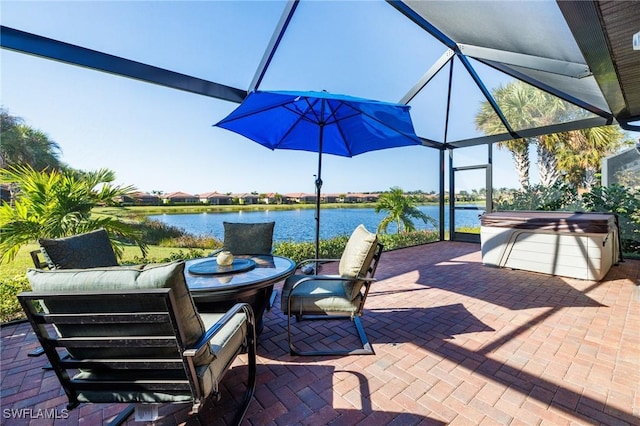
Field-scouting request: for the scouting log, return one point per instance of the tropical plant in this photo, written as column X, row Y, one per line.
column 401, row 210
column 10, row 287
column 332, row 248
column 24, row 145
column 54, row 204
column 580, row 153
column 625, row 203
column 329, row 249
column 570, row 156
column 559, row 196
column 525, row 106
column 408, row 239
column 514, row 100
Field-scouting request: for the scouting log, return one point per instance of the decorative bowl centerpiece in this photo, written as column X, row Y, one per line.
column 224, row 258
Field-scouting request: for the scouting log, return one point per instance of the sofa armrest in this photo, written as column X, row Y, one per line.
column 211, row 332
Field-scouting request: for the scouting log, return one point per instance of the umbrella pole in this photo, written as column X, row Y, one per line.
column 318, row 191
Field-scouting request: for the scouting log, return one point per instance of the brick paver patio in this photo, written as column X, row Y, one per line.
column 456, row 343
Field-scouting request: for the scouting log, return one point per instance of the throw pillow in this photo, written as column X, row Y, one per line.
column 248, row 238
column 89, row 250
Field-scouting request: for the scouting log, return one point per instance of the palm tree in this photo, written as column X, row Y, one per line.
column 547, row 147
column 513, row 100
column 54, row 204
column 525, row 106
column 545, row 110
column 401, row 210
column 10, row 139
column 581, row 153
column 22, row 144
column 576, row 153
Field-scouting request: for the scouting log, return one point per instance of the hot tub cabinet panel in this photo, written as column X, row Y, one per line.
column 577, row 245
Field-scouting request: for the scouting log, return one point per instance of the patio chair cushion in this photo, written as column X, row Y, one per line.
column 318, row 296
column 248, row 238
column 223, row 346
column 356, row 258
column 168, row 275
column 89, row 250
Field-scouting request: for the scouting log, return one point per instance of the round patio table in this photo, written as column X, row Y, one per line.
column 214, row 290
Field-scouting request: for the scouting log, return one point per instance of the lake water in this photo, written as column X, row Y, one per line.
column 299, row 224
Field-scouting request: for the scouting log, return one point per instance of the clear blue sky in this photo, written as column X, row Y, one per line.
column 158, row 138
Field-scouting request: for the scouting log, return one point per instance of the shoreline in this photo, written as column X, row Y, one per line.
column 194, row 209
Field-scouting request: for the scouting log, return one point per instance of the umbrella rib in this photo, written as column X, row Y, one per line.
column 345, row 139
column 382, row 122
column 312, row 109
column 334, row 112
column 304, row 115
column 289, row 130
column 337, row 123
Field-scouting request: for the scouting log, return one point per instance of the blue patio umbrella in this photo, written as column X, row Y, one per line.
column 321, row 122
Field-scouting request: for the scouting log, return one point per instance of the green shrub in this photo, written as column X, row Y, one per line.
column 333, row 248
column 10, row 308
column 621, row 200
column 407, row 239
column 329, row 249
column 179, row 255
column 559, row 196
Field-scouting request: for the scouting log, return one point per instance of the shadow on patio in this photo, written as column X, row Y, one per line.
column 456, row 343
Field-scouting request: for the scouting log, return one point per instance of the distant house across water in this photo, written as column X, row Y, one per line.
column 139, row 199
column 146, row 199
column 180, row 198
column 360, row 198
column 299, row 197
column 270, row 198
column 216, row 199
column 247, row 199
column 331, row 198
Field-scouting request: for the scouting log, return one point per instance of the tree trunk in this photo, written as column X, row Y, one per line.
column 547, row 165
column 590, row 179
column 521, row 161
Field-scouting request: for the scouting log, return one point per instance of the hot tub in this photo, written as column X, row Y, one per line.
column 577, row 245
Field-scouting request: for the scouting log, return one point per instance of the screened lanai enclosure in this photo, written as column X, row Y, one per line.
column 446, row 59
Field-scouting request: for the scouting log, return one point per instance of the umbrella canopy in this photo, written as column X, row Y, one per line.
column 321, row 122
